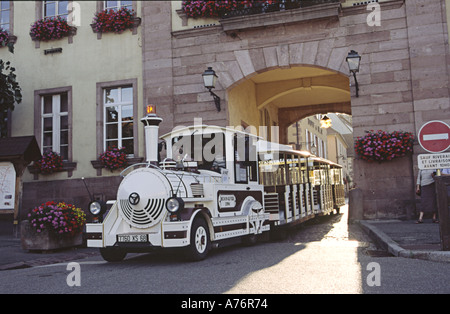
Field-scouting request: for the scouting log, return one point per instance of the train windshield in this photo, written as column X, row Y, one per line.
column 207, row 149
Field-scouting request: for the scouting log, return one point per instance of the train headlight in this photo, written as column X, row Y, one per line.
column 174, row 204
column 95, row 208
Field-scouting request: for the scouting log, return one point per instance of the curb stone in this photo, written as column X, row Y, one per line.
column 386, row 243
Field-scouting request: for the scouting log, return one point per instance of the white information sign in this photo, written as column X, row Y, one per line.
column 433, row 161
column 227, row 201
column 7, row 185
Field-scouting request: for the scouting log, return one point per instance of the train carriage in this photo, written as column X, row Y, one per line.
column 214, row 185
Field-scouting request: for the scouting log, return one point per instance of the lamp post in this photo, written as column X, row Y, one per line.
column 353, row 61
column 209, row 79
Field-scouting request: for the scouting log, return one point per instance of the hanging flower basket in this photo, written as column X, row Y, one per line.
column 51, row 28
column 52, row 226
column 110, row 21
column 114, row 158
column 383, row 146
column 49, row 163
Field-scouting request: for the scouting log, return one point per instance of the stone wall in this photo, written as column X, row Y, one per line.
column 69, row 191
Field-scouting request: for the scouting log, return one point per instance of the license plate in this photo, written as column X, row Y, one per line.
column 131, row 238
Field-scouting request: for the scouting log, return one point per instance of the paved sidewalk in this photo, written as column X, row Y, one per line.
column 12, row 256
column 407, row 239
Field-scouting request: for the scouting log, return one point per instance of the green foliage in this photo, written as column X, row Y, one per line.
column 10, row 93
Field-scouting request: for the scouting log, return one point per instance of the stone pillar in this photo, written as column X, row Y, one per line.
column 158, row 59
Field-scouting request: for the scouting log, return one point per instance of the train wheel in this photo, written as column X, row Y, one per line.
column 200, row 241
column 112, row 254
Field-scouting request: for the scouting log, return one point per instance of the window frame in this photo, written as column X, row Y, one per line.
column 118, row 124
column 56, row 129
column 66, row 15
column 68, row 165
column 119, row 5
column 100, row 113
column 10, row 11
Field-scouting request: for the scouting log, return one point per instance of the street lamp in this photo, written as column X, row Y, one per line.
column 209, row 79
column 354, row 60
column 325, row 122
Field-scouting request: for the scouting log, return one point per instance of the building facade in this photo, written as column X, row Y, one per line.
column 81, row 94
column 273, row 67
column 308, row 135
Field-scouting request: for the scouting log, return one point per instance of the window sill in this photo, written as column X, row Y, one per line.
column 99, row 167
column 67, row 166
column 11, row 40
column 72, row 32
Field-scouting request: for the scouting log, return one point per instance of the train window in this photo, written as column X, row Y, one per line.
column 266, row 172
column 280, row 172
column 208, row 150
column 293, row 170
column 245, row 163
column 303, row 170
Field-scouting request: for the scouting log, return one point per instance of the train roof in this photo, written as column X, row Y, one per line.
column 263, row 146
column 268, row 147
column 206, row 129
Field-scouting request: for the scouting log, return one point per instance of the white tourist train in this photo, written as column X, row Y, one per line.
column 215, row 184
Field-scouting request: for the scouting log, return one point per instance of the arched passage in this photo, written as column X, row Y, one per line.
column 281, row 96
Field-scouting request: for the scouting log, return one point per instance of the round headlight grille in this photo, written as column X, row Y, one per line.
column 144, row 217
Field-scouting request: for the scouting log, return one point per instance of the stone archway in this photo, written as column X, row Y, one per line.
column 287, row 95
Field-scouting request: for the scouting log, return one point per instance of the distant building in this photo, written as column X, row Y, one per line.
column 340, row 145
column 307, row 134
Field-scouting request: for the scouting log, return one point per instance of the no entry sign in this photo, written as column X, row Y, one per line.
column 434, row 136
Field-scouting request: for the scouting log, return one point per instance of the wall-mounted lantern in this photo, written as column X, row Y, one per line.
column 354, row 60
column 209, row 79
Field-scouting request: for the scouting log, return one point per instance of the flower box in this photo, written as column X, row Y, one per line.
column 7, row 40
column 45, row 240
column 98, row 165
column 53, row 226
column 205, row 9
column 114, row 158
column 110, row 21
column 49, row 163
column 51, row 29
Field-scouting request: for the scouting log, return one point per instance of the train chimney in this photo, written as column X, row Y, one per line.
column 151, row 122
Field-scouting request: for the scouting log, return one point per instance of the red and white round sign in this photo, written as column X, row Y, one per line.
column 434, row 136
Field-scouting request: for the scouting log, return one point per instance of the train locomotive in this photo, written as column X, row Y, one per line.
column 215, row 184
